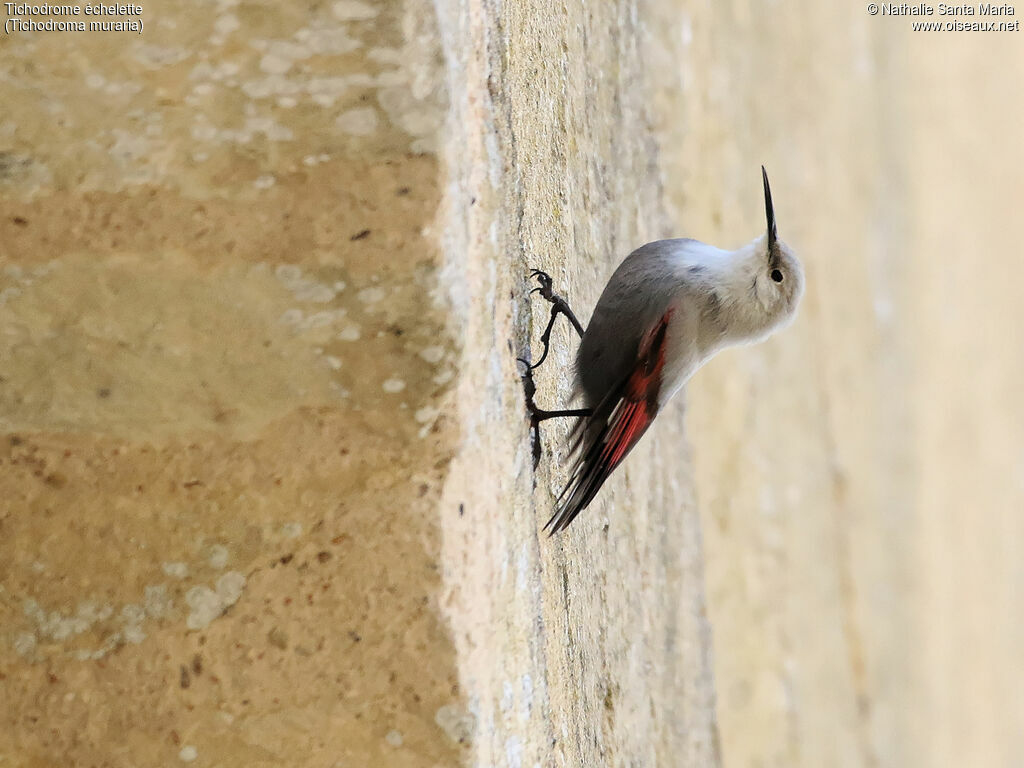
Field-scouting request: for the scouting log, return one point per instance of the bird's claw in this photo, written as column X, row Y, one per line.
column 546, row 284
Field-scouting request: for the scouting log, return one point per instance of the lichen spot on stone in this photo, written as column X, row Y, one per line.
column 426, row 415
column 360, row 121
column 433, row 354
column 229, row 587
column 371, row 295
column 218, row 556
column 226, row 24
column 188, row 754
column 25, row 643
column 176, row 570
column 204, row 607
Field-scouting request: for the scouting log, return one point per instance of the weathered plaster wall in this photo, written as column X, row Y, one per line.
column 859, row 476
column 966, row 526
column 801, row 444
column 266, row 488
column 267, row 492
column 222, row 362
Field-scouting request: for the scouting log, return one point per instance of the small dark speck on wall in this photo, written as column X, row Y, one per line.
column 462, row 509
column 103, row 392
column 21, row 221
column 360, row 235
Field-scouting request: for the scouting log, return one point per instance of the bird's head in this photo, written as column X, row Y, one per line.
column 778, row 275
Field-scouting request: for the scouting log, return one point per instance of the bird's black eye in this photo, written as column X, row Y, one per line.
column 777, row 276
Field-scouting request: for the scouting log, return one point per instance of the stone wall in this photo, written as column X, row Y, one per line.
column 223, row 361
column 267, row 493
column 591, row 648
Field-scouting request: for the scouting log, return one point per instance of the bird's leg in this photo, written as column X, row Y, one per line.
column 537, row 415
column 559, row 306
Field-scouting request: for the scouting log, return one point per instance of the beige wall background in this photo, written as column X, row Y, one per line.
column 859, row 478
column 266, row 484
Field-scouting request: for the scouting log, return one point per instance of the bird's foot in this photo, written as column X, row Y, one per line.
column 559, row 306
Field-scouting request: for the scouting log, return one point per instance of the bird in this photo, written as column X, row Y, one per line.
column 668, row 308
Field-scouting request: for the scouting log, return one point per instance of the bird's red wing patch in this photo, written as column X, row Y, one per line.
column 616, row 425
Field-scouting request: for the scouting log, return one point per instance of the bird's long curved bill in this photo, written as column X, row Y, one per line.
column 769, row 210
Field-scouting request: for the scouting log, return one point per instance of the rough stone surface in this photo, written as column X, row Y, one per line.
column 266, row 484
column 267, row 489
column 218, row 530
column 590, row 648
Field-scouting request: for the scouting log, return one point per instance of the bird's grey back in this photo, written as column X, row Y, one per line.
column 637, row 295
